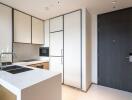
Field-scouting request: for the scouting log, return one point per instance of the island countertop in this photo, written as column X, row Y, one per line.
column 17, row 82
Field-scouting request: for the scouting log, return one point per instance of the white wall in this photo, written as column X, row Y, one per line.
column 94, row 49
column 86, row 49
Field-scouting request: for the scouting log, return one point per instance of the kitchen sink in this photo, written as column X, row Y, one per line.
column 14, row 69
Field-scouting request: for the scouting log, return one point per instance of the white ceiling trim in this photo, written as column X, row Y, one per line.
column 45, row 9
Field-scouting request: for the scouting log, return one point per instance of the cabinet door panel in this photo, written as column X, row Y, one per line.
column 56, row 24
column 72, row 49
column 56, row 65
column 22, row 27
column 46, row 44
column 6, row 32
column 6, row 95
column 37, row 31
column 56, row 44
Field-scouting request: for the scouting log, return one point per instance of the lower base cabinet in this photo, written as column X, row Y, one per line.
column 44, row 65
column 56, row 65
column 6, row 95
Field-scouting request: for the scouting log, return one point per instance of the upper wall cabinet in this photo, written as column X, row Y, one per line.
column 37, row 31
column 46, row 32
column 56, row 24
column 22, row 27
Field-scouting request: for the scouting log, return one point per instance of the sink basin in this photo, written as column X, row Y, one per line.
column 14, row 69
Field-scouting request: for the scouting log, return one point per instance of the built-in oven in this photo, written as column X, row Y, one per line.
column 44, row 51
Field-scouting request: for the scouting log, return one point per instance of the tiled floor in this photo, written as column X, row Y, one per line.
column 95, row 93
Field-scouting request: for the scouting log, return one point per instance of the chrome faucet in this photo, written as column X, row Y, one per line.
column 5, row 53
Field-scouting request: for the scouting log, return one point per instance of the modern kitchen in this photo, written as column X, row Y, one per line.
column 55, row 50
column 35, row 51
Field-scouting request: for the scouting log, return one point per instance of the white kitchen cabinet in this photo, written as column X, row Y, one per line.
column 56, row 44
column 37, row 31
column 22, row 27
column 46, row 29
column 56, row 65
column 72, row 49
column 6, row 31
column 56, row 24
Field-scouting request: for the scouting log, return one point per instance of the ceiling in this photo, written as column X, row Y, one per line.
column 45, row 9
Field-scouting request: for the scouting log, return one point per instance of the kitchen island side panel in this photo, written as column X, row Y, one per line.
column 49, row 89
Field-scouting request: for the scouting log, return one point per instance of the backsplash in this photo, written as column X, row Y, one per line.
column 25, row 51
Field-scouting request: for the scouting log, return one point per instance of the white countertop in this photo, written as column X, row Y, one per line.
column 16, row 82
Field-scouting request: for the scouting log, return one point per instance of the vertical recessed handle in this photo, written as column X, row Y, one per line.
column 61, row 60
column 61, row 52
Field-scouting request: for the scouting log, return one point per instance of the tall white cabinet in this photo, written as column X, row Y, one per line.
column 56, row 45
column 6, row 30
column 72, row 49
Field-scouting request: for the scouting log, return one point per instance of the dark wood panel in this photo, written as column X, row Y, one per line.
column 114, row 45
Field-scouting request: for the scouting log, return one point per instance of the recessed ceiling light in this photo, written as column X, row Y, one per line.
column 46, row 8
column 114, row 3
column 59, row 3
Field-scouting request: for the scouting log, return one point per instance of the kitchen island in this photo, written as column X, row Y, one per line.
column 36, row 84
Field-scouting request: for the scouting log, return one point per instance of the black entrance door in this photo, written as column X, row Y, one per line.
column 114, row 48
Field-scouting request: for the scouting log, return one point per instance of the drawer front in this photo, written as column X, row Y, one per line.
column 46, row 65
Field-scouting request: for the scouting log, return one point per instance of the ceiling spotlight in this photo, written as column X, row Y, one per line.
column 58, row 2
column 114, row 3
column 114, row 7
column 46, row 8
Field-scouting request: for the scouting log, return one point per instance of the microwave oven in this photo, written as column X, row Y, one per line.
column 44, row 51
